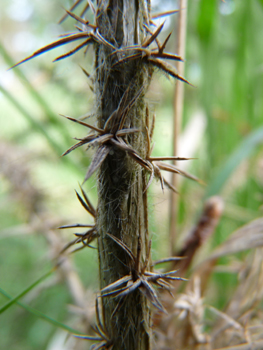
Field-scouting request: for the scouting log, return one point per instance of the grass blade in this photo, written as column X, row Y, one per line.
column 35, row 95
column 41, row 315
column 34, row 123
column 245, row 149
column 25, row 291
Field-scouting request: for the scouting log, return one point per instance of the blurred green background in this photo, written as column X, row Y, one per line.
column 222, row 127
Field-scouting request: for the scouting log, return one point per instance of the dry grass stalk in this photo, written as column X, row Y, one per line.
column 178, row 113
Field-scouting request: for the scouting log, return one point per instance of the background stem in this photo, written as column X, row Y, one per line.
column 178, row 112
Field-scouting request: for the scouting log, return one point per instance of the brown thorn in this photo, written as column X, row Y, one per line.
column 156, row 39
column 170, row 186
column 152, row 296
column 85, row 206
column 68, row 245
column 152, row 127
column 97, row 160
column 85, row 72
column 72, row 8
column 60, row 42
column 151, row 177
column 77, row 18
column 165, row 42
column 129, row 289
column 147, row 117
column 79, row 144
column 168, row 158
column 70, row 53
column 168, row 69
column 124, row 132
column 74, row 226
column 82, row 123
column 153, row 37
column 157, row 172
column 138, row 257
column 148, row 253
column 117, row 283
column 92, row 209
column 123, row 246
column 126, row 58
column 173, row 169
column 167, row 56
column 163, row 14
column 148, row 145
column 104, row 41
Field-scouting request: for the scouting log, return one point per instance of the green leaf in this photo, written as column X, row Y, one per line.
column 53, row 119
column 39, row 128
column 206, row 19
column 28, row 289
column 34, row 123
column 244, row 150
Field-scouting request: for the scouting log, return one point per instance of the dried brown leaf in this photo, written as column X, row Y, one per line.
column 247, row 237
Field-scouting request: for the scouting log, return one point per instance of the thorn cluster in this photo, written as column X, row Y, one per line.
column 91, row 35
column 139, row 278
column 84, row 237
column 102, row 335
column 110, row 136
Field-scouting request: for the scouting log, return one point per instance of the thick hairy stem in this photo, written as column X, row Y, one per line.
column 122, row 203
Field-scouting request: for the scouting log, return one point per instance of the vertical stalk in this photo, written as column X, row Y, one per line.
column 122, row 203
column 178, row 112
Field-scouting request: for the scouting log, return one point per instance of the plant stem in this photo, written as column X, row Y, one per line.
column 178, row 112
column 122, row 203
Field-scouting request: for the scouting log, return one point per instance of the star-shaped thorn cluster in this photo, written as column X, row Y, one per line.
column 90, row 234
column 139, row 278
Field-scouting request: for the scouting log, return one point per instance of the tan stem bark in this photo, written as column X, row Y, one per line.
column 122, row 204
